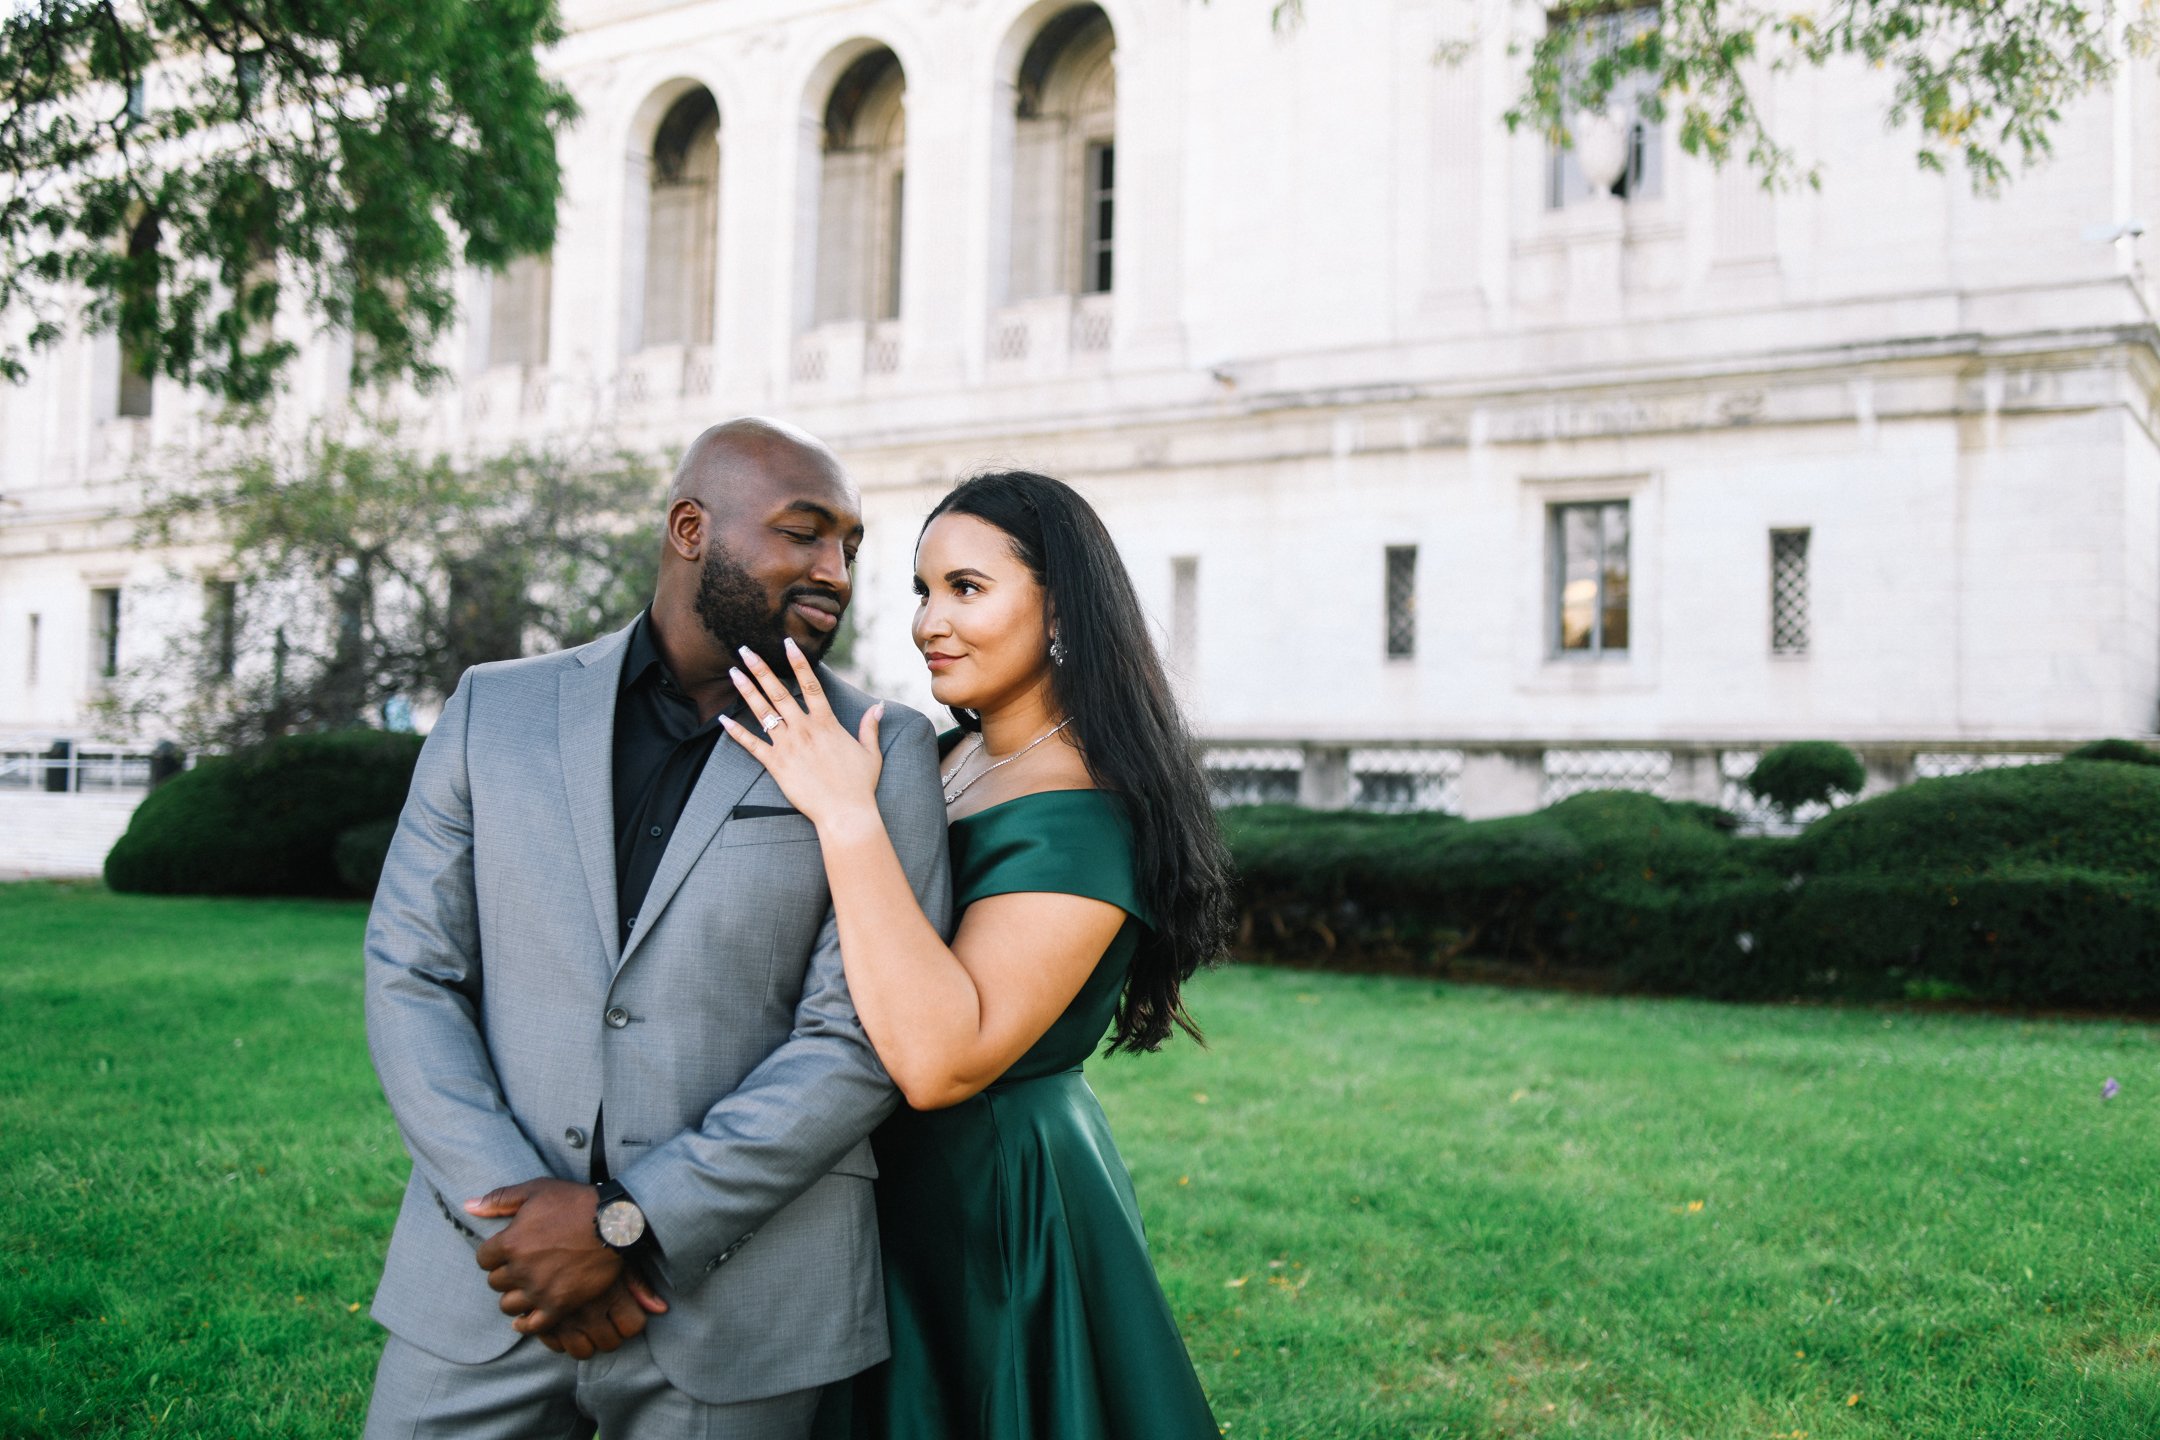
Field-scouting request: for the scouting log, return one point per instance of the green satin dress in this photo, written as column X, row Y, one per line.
column 1022, row 1301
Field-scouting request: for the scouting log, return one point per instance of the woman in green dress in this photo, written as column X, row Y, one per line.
column 1090, row 881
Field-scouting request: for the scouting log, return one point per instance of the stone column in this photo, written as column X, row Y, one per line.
column 1501, row 782
column 1324, row 783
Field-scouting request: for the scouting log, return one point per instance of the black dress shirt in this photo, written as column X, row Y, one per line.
column 660, row 751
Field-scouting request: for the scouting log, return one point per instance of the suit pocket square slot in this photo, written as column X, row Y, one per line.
column 760, row 812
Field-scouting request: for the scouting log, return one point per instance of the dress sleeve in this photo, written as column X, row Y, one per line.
column 1067, row 842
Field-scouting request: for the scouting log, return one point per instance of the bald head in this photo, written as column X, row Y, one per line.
column 758, row 547
column 742, row 458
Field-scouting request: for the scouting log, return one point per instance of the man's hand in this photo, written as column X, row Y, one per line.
column 605, row 1323
column 548, row 1262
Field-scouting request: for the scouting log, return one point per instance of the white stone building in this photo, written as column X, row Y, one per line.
column 1408, row 431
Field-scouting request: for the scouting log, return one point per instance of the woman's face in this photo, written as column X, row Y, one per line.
column 978, row 615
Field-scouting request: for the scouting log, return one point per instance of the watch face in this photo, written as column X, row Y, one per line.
column 621, row 1223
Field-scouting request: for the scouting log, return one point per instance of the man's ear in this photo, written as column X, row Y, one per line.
column 688, row 529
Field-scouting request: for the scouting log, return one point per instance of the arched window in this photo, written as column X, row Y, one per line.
column 138, row 308
column 682, row 225
column 518, row 299
column 1064, row 233
column 862, row 183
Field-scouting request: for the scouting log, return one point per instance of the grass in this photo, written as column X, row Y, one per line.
column 1383, row 1208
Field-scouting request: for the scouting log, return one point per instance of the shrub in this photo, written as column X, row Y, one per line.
column 2129, row 752
column 1806, row 772
column 2037, row 885
column 1354, row 888
column 2102, row 818
column 264, row 821
column 360, row 854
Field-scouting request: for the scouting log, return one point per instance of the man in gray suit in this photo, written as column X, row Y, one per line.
column 605, row 1000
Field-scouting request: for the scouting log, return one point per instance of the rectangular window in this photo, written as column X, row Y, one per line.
column 1788, row 592
column 1101, row 211
column 1401, row 602
column 1184, row 614
column 1590, row 578
column 105, row 631
column 30, row 670
column 221, row 616
column 1642, row 177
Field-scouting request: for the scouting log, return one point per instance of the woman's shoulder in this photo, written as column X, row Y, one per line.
column 1073, row 841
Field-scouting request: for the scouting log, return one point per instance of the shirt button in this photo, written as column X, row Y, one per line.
column 617, row 1017
column 656, row 832
column 574, row 1138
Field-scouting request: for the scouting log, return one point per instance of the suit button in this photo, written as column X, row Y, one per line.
column 574, row 1138
column 617, row 1017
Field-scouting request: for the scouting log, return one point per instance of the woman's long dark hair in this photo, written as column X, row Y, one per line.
column 1128, row 727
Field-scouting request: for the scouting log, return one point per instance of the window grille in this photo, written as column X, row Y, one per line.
column 1254, row 775
column 1789, row 592
column 1571, row 772
column 30, row 671
column 1410, row 778
column 1401, row 601
column 1934, row 764
column 1590, row 578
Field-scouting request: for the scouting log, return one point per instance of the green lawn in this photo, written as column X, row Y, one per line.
column 1384, row 1208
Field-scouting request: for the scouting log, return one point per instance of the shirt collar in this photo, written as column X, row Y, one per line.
column 643, row 658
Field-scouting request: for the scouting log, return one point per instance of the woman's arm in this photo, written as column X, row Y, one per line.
column 947, row 1020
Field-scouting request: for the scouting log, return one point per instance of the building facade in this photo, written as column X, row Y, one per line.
column 1411, row 429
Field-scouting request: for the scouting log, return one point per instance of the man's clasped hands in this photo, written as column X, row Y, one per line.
column 557, row 1280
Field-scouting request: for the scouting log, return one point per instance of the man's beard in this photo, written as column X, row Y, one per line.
column 733, row 609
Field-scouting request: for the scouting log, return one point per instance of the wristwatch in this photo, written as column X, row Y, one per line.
column 620, row 1223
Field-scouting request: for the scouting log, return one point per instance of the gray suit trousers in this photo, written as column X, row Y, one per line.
column 531, row 1393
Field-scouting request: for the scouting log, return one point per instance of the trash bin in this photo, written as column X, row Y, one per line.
column 166, row 761
column 59, row 777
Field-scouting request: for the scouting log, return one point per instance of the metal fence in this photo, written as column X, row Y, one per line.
column 83, row 768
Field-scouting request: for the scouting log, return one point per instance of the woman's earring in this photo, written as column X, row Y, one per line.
column 1057, row 649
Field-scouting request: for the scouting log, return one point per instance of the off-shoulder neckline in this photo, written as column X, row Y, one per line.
column 1031, row 795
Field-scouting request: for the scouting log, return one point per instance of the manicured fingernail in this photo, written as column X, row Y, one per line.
column 746, row 652
column 737, row 676
column 792, row 647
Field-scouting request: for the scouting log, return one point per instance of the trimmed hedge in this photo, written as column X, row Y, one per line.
column 2032, row 885
column 2095, row 817
column 1806, row 772
column 2127, row 751
column 360, row 854
column 1386, row 889
column 266, row 821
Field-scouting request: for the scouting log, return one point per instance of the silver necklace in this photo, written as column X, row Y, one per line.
column 952, row 796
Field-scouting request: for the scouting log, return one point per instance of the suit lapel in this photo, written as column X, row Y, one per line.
column 585, row 729
column 729, row 773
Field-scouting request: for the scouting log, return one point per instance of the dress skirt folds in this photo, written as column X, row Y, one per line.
column 1022, row 1300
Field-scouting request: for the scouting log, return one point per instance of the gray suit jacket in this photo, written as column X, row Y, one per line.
column 738, row 1084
